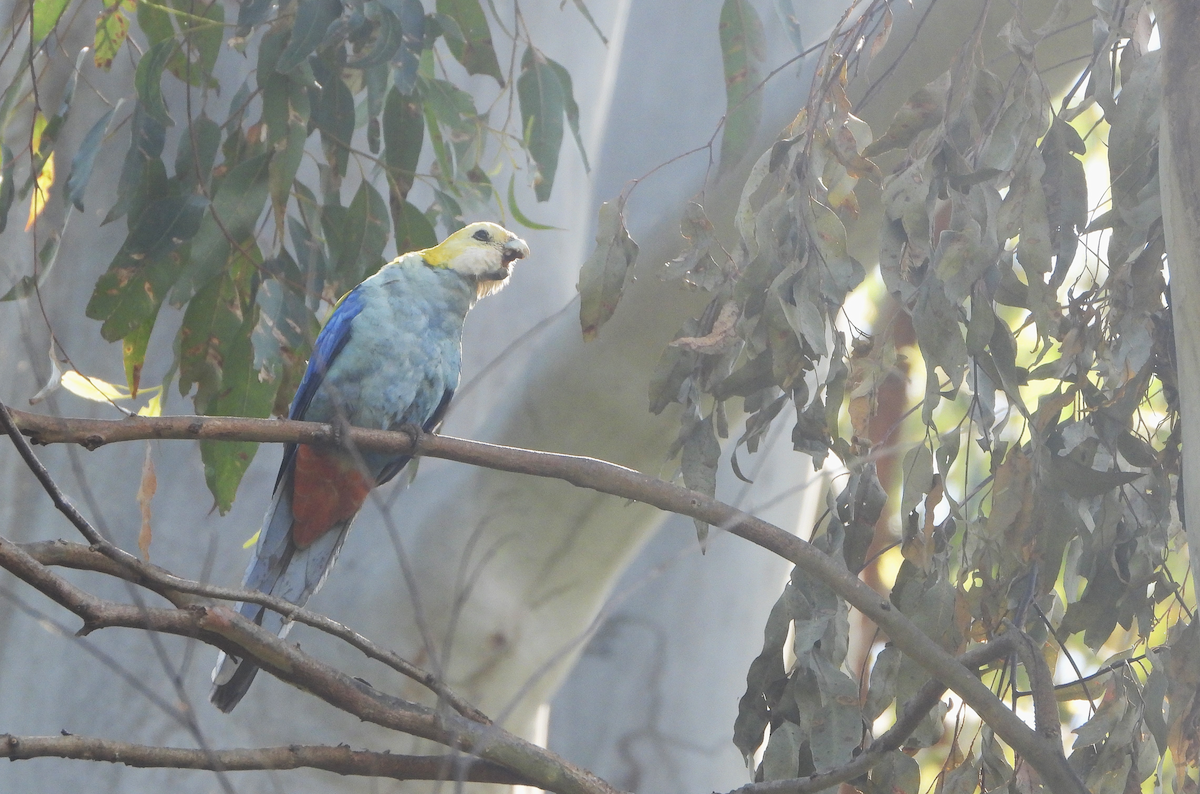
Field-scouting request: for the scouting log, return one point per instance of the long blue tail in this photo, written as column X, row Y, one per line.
column 280, row 569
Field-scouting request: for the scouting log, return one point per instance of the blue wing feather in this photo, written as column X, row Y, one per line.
column 330, row 342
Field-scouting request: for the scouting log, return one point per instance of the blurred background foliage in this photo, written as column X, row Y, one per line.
column 1031, row 475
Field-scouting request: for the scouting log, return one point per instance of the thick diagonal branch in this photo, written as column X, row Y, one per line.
column 1045, row 757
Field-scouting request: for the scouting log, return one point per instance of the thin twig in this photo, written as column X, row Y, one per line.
column 229, row 631
column 176, row 589
column 181, row 592
column 340, row 760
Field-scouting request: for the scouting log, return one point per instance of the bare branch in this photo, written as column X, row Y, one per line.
column 229, row 631
column 183, row 593
column 1045, row 757
column 341, row 760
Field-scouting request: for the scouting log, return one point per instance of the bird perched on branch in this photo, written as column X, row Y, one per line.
column 389, row 355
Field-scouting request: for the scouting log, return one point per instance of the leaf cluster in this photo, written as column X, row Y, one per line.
column 1037, row 474
column 241, row 226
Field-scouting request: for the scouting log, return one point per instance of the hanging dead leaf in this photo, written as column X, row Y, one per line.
column 722, row 336
column 145, row 493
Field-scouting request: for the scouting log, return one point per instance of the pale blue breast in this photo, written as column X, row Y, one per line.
column 403, row 354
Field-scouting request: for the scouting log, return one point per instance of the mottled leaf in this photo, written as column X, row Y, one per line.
column 602, row 277
column 791, row 23
column 112, row 27
column 210, row 328
column 743, row 50
column 130, row 292
column 133, row 352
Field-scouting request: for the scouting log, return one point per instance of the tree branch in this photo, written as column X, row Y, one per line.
column 340, row 760
column 1045, row 757
column 225, row 629
column 186, row 593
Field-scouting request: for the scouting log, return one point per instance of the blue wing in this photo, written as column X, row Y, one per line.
column 330, row 341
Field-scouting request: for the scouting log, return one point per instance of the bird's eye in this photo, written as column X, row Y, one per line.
column 482, row 236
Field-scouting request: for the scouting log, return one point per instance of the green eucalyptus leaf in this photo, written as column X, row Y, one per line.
column 237, row 205
column 520, row 217
column 46, row 14
column 572, row 108
column 543, row 104
column 388, row 39
column 133, row 352
column 7, row 189
column 602, row 277
column 403, row 137
column 364, row 236
column 197, row 152
column 743, row 50
column 246, row 390
column 474, row 49
column 698, row 463
column 148, row 81
column 85, row 159
column 145, row 146
column 333, row 115
column 413, row 230
column 313, row 18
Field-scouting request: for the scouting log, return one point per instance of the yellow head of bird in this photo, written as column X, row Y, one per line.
column 483, row 251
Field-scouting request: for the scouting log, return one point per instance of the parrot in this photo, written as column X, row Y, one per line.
column 389, row 355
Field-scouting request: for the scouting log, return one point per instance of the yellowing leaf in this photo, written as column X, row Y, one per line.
column 253, row 539
column 41, row 191
column 92, row 388
column 154, row 407
column 112, row 27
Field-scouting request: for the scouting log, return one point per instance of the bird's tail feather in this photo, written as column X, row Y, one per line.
column 282, row 570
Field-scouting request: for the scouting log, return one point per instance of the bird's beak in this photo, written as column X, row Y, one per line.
column 513, row 250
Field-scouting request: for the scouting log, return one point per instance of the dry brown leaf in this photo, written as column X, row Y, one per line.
column 145, row 493
column 719, row 339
